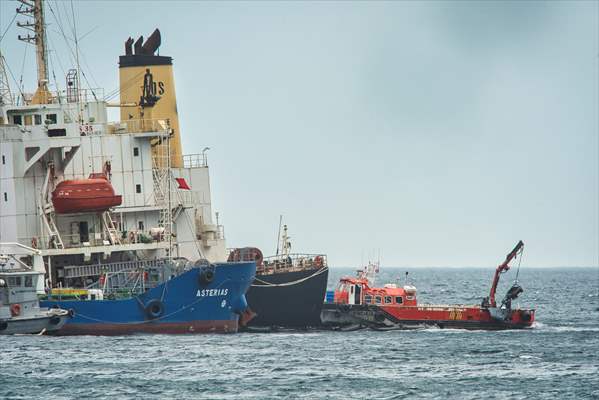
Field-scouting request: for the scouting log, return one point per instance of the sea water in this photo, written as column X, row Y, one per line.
column 557, row 359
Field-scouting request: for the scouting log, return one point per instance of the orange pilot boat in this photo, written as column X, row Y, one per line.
column 94, row 194
column 357, row 304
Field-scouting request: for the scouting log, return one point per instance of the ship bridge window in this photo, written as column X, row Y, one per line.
column 378, row 299
column 135, row 151
column 368, row 299
column 37, row 119
column 28, row 281
column 399, row 300
column 17, row 119
column 14, row 281
column 138, row 188
column 388, row 300
column 51, row 119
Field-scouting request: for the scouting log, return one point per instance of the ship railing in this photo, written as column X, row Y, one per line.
column 81, row 271
column 139, row 126
column 62, row 96
column 199, row 160
column 292, row 262
column 97, row 239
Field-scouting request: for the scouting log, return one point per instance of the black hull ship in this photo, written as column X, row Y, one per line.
column 289, row 289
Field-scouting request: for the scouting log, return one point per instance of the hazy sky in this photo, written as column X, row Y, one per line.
column 440, row 133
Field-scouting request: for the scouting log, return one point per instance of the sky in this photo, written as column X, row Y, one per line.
column 435, row 133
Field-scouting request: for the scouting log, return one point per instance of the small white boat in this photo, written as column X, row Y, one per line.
column 20, row 284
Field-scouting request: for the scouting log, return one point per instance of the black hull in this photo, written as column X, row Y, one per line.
column 295, row 304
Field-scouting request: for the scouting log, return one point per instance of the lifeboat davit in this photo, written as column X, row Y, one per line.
column 85, row 195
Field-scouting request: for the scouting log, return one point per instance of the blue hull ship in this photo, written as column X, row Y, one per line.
column 199, row 300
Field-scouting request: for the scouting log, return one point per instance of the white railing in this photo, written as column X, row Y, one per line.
column 199, row 160
column 139, row 126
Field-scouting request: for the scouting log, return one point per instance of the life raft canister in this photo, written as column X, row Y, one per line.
column 15, row 310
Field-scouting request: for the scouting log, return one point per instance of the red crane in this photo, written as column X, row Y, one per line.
column 504, row 267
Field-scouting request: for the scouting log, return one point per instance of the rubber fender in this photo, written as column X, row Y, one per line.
column 206, row 275
column 154, row 309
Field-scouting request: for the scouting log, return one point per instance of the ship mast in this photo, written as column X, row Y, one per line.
column 5, row 93
column 35, row 10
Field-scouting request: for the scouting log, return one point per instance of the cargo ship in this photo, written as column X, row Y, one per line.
column 289, row 288
column 121, row 218
column 358, row 303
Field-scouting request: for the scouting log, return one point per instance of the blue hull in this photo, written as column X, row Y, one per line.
column 183, row 304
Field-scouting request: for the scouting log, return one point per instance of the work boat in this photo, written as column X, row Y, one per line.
column 121, row 218
column 20, row 285
column 357, row 303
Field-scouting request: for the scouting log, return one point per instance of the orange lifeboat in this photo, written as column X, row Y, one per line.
column 85, row 195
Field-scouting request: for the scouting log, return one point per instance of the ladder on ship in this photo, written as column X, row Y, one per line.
column 110, row 227
column 53, row 234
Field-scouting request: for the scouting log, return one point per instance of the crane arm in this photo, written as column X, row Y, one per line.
column 503, row 267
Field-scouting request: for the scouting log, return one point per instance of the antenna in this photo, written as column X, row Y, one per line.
column 35, row 9
column 279, row 234
column 5, row 93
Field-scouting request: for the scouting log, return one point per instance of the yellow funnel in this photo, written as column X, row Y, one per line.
column 147, row 81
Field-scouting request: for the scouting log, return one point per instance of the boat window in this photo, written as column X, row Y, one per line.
column 138, row 188
column 136, row 151
column 140, row 225
column 17, row 119
column 5, row 196
column 368, row 299
column 51, row 119
column 28, row 281
column 378, row 299
column 37, row 119
column 388, row 300
column 14, row 281
column 399, row 300
column 3, row 160
column 28, row 119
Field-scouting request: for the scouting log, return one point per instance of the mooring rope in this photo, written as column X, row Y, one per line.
column 269, row 284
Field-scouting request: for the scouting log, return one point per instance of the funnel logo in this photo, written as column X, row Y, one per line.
column 149, row 96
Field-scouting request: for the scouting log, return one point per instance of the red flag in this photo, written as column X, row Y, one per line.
column 182, row 183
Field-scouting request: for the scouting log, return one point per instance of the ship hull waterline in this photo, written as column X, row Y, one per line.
column 338, row 316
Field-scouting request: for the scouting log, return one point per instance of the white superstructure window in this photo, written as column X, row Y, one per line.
column 3, row 160
column 5, row 196
column 135, row 151
column 138, row 188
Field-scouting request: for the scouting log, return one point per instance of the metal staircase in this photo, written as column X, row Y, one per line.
column 109, row 226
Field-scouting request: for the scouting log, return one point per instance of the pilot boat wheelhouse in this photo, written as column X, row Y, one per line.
column 358, row 302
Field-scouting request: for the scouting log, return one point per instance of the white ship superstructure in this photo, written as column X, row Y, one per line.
column 166, row 206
